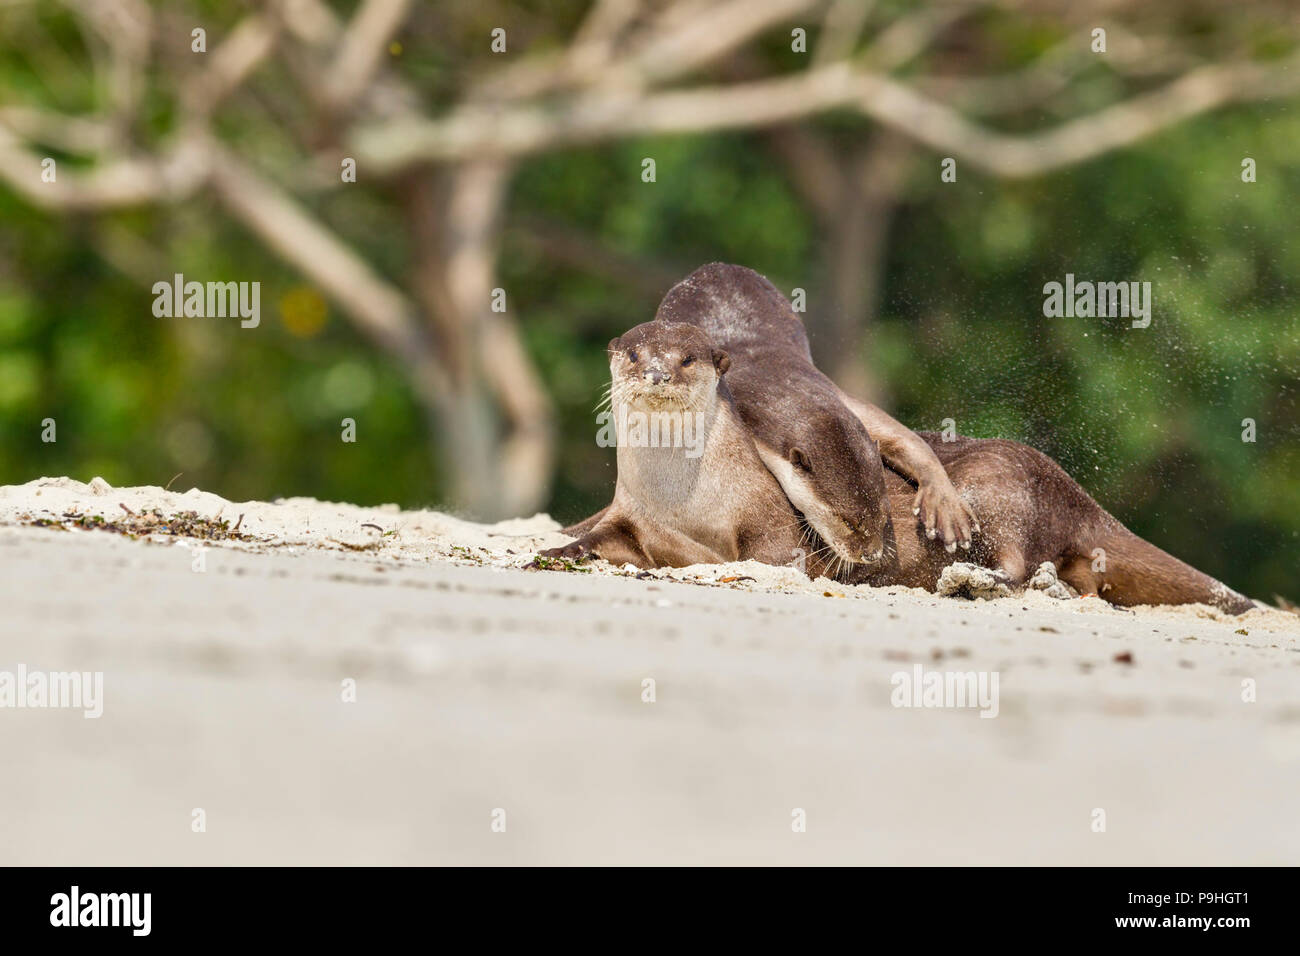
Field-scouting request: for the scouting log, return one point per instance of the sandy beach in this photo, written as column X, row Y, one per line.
column 483, row 687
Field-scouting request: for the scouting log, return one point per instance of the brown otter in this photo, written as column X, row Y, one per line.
column 671, row 509
column 822, row 449
column 1031, row 512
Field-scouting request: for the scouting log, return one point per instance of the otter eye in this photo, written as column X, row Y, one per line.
column 631, row 354
column 688, row 360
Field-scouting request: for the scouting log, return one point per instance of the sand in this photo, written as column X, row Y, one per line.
column 485, row 692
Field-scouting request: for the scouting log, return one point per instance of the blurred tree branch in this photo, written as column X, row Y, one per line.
column 606, row 115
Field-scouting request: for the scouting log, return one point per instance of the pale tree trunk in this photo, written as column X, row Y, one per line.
column 494, row 421
column 854, row 196
column 857, row 245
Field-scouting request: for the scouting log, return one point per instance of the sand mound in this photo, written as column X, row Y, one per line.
column 386, row 533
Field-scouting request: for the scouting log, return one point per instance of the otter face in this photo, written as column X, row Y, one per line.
column 842, row 495
column 658, row 366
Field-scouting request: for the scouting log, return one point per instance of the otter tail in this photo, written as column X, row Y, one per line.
column 1118, row 566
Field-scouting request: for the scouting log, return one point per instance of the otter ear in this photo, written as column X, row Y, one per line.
column 721, row 361
column 799, row 459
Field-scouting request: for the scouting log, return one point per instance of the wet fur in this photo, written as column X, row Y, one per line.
column 727, row 506
column 671, row 510
column 829, row 463
column 791, row 408
column 1031, row 511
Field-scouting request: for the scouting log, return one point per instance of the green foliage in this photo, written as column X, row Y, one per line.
column 1148, row 420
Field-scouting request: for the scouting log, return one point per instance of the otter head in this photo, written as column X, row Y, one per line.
column 660, row 366
column 836, row 479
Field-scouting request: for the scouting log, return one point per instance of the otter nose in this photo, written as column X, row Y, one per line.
column 872, row 543
column 657, row 376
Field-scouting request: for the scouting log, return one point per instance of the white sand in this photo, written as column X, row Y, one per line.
column 483, row 686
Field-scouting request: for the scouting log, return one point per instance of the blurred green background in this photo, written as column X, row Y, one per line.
column 1149, row 421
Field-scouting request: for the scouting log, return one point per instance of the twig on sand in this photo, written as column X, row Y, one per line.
column 349, row 546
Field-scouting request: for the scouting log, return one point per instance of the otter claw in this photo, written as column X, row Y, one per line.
column 951, row 547
column 931, row 533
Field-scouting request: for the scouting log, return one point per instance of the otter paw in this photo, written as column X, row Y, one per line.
column 562, row 558
column 945, row 516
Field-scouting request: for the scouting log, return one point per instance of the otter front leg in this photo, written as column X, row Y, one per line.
column 941, row 510
column 613, row 543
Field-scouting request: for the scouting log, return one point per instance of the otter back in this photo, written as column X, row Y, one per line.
column 820, row 452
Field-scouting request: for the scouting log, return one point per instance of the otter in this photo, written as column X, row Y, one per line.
column 825, row 452
column 671, row 510
column 1031, row 512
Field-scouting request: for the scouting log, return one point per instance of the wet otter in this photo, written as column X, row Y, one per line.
column 822, row 449
column 790, row 405
column 1032, row 511
column 672, row 509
